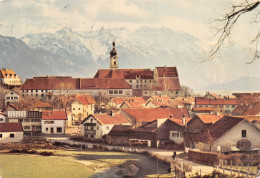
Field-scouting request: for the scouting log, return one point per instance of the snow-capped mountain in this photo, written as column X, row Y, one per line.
column 80, row 54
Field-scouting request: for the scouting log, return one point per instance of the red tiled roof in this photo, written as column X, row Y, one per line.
column 218, row 129
column 108, row 119
column 209, row 118
column 124, row 73
column 51, row 83
column 68, row 83
column 54, row 115
column 167, row 71
column 5, row 73
column 41, row 104
column 217, row 101
column 11, row 127
column 160, row 98
column 167, row 84
column 85, row 99
column 103, row 83
column 151, row 114
column 253, row 110
column 239, row 110
column 120, row 100
column 202, row 109
column 134, row 104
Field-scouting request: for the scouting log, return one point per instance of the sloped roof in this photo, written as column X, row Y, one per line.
column 209, row 118
column 120, row 100
column 5, row 73
column 11, row 127
column 133, row 104
column 118, row 118
column 167, row 84
column 160, row 98
column 51, row 83
column 253, row 110
column 218, row 129
column 41, row 104
column 167, row 71
column 195, row 109
column 151, row 114
column 54, row 115
column 85, row 99
column 239, row 110
column 217, row 101
column 124, row 73
column 120, row 130
column 103, row 83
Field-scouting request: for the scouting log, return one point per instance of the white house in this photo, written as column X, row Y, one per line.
column 54, row 122
column 97, row 125
column 2, row 117
column 11, row 97
column 231, row 133
column 11, row 132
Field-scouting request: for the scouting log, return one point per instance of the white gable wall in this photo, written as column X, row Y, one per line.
column 233, row 135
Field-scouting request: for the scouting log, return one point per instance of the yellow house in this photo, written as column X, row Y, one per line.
column 83, row 106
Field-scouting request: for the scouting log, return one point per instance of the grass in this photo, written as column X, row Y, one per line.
column 38, row 166
column 72, row 163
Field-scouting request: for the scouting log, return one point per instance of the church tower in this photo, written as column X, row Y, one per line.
column 113, row 57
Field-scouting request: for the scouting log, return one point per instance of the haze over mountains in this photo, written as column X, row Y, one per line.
column 80, row 54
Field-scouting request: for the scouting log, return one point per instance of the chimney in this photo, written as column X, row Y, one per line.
column 184, row 119
column 171, row 116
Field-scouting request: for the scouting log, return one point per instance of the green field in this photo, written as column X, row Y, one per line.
column 76, row 164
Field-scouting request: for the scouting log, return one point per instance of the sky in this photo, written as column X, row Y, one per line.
column 196, row 17
column 36, row 16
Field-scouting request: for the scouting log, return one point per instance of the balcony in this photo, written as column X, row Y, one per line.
column 90, row 131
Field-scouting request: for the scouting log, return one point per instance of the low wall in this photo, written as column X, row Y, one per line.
column 204, row 157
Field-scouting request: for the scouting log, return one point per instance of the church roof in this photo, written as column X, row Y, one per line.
column 125, row 73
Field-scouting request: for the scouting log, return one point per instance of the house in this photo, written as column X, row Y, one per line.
column 118, row 101
column 11, row 97
column 201, row 122
column 97, row 125
column 230, row 134
column 118, row 135
column 9, row 78
column 160, row 103
column 220, row 105
column 54, row 122
column 139, row 117
column 30, row 120
column 11, row 132
column 42, row 106
column 81, row 107
column 161, row 133
column 3, row 117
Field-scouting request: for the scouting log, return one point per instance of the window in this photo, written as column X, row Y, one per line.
column 1, row 119
column 137, row 81
column 26, row 127
column 243, row 133
column 115, row 91
column 11, row 135
column 74, row 109
column 176, row 134
column 130, row 81
column 137, row 86
column 7, row 98
column 1, row 136
column 120, row 91
column 110, row 91
column 107, row 127
column 79, row 108
column 27, row 120
column 233, row 106
column 31, row 90
column 36, row 91
column 16, row 97
column 141, row 81
column 48, row 122
column 92, row 136
column 38, row 127
column 59, row 129
column 47, row 128
column 97, row 127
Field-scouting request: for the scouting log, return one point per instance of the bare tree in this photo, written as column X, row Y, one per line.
column 230, row 20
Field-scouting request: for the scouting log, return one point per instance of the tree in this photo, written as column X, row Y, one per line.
column 231, row 19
